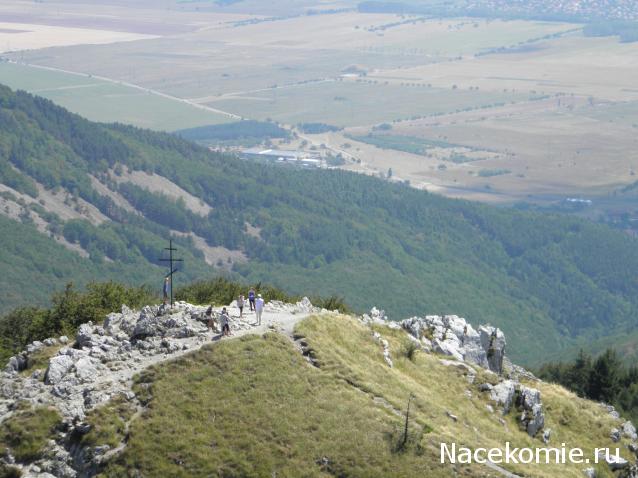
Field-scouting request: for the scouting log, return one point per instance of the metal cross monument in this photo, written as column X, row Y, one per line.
column 172, row 269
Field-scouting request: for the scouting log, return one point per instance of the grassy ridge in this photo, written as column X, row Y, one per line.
column 254, row 407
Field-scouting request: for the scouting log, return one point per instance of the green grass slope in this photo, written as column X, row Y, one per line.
column 255, row 407
column 549, row 281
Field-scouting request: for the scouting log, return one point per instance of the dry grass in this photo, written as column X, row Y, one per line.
column 255, row 407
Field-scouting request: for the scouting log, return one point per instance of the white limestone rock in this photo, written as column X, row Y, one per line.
column 59, row 366
column 629, row 430
column 454, row 336
column 503, row 394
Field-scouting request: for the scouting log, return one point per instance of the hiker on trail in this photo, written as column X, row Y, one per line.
column 240, row 305
column 165, row 289
column 210, row 320
column 225, row 322
column 251, row 298
column 259, row 308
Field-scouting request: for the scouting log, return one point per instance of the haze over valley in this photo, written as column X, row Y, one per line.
column 419, row 197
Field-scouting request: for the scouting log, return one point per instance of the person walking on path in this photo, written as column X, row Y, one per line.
column 165, row 289
column 251, row 298
column 259, row 308
column 224, row 320
column 240, row 305
column 209, row 318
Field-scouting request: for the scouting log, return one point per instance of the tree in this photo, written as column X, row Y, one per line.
column 578, row 374
column 604, row 383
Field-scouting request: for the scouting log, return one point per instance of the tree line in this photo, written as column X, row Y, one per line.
column 604, row 378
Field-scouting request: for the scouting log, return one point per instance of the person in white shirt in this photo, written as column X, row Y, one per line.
column 259, row 308
column 240, row 305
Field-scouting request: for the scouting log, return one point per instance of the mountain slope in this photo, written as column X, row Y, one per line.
column 307, row 392
column 115, row 194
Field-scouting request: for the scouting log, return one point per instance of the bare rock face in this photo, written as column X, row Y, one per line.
column 629, row 430
column 493, row 342
column 84, row 335
column 503, row 394
column 59, row 366
column 454, row 336
column 532, row 417
column 510, row 394
column 17, row 363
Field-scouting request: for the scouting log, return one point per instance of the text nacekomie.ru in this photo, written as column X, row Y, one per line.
column 451, row 453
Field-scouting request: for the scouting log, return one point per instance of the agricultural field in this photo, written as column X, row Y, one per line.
column 237, row 56
column 100, row 100
column 351, row 103
column 530, row 110
column 550, row 149
column 27, row 36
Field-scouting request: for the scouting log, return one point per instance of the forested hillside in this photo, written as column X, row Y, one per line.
column 114, row 194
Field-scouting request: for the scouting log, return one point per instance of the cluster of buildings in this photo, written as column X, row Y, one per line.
column 302, row 159
column 590, row 10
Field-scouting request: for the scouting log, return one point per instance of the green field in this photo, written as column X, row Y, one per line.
column 414, row 145
column 103, row 101
column 345, row 103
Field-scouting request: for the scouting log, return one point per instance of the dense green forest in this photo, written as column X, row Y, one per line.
column 551, row 282
column 604, row 379
column 317, row 128
column 245, row 133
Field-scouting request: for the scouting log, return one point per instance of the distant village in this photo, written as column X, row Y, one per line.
column 560, row 10
column 590, row 10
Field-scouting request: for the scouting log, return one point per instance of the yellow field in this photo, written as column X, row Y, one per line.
column 24, row 36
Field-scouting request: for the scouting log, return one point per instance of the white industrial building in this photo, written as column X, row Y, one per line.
column 298, row 158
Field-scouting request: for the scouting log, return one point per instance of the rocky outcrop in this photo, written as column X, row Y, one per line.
column 454, row 336
column 629, row 430
column 59, row 366
column 99, row 365
column 17, row 363
column 503, row 394
column 510, row 394
column 386, row 348
column 532, row 418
